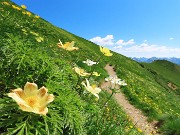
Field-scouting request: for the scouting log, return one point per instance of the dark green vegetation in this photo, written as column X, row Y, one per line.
column 29, row 52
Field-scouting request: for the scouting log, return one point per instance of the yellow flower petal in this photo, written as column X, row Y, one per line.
column 92, row 89
column 50, row 98
column 96, row 74
column 43, row 111
column 18, row 99
column 42, row 91
column 105, row 51
column 25, row 108
column 30, row 88
column 69, row 46
column 37, row 16
column 81, row 71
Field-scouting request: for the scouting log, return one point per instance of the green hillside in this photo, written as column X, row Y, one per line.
column 167, row 74
column 29, row 53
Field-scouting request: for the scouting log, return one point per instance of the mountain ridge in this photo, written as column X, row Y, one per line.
column 149, row 60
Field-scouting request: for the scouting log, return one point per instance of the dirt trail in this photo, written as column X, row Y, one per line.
column 138, row 118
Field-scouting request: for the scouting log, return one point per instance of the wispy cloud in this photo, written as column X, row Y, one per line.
column 122, row 42
column 145, row 41
column 148, row 50
column 131, row 49
column 171, row 38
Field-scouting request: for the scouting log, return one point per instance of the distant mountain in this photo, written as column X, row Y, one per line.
column 149, row 60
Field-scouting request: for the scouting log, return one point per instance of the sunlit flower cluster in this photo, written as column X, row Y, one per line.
column 6, row 3
column 31, row 99
column 38, row 38
column 16, row 7
column 27, row 13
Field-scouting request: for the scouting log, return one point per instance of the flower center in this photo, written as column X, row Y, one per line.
column 94, row 86
column 31, row 101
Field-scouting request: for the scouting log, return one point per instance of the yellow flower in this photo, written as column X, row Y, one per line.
column 81, row 71
column 69, row 46
column 39, row 39
column 5, row 3
column 34, row 33
column 18, row 8
column 24, row 31
column 24, row 12
column 139, row 130
column 96, row 74
column 31, row 99
column 28, row 13
column 105, row 51
column 23, row 6
column 107, row 109
column 15, row 7
column 1, row 9
column 92, row 89
column 37, row 17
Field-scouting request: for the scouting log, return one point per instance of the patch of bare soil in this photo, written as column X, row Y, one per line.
column 136, row 115
column 172, row 86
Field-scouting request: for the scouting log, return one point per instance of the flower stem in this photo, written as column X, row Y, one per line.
column 109, row 98
column 92, row 69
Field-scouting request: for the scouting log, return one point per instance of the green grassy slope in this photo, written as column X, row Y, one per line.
column 143, row 90
column 167, row 69
column 29, row 52
column 167, row 72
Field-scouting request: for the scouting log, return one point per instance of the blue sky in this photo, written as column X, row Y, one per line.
column 134, row 28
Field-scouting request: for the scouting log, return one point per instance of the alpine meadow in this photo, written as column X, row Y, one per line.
column 50, row 83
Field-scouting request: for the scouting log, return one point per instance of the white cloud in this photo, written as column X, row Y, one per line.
column 131, row 49
column 171, row 38
column 122, row 42
column 145, row 41
column 118, row 47
column 109, row 41
column 106, row 41
column 148, row 50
